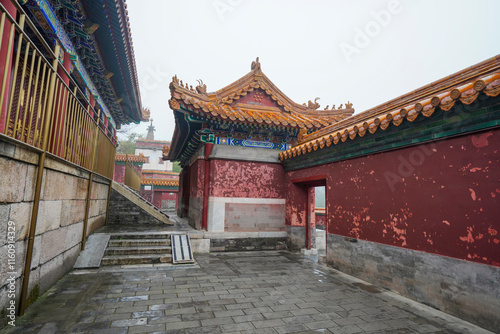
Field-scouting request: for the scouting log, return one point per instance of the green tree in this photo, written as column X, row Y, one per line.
column 127, row 146
column 176, row 167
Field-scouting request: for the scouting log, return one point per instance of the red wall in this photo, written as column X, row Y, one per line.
column 119, row 173
column 197, row 178
column 441, row 198
column 230, row 178
column 320, row 219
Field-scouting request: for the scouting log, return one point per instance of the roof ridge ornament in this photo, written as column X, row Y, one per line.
column 255, row 65
column 312, row 105
column 201, row 88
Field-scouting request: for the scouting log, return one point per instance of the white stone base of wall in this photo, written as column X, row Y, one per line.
column 217, row 210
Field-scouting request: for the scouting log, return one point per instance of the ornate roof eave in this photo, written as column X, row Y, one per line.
column 227, row 114
column 114, row 24
column 392, row 114
column 448, row 82
column 131, row 157
column 160, row 182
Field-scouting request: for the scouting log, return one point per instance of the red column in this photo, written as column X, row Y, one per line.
column 4, row 67
column 311, row 218
column 204, row 219
column 186, row 190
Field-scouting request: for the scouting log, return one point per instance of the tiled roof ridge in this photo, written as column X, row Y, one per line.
column 452, row 80
column 160, row 182
column 467, row 93
column 255, row 79
column 152, row 171
column 131, row 157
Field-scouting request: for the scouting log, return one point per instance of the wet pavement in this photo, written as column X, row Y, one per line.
column 244, row 292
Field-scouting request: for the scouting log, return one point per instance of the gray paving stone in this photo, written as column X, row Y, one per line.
column 257, row 310
column 186, row 310
column 129, row 322
column 291, row 329
column 277, row 315
column 147, row 314
column 351, row 329
column 237, row 327
column 320, row 324
column 146, row 329
column 268, row 323
column 115, row 330
column 229, row 313
column 349, row 321
column 217, row 321
column 260, row 331
column 264, row 292
column 298, row 320
column 304, row 311
column 112, row 317
column 197, row 316
column 203, row 330
column 249, row 317
column 182, row 325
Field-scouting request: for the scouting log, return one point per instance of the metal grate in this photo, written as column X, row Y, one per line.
column 181, row 249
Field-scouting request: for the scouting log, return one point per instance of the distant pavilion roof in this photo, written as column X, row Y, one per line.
column 130, row 157
column 160, row 182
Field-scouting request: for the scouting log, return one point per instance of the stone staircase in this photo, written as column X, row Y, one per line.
column 128, row 208
column 126, row 249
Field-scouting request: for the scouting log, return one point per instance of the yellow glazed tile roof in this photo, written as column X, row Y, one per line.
column 464, row 86
column 254, row 99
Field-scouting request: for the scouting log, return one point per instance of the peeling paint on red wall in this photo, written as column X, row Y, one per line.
column 440, row 198
column 231, row 178
column 119, row 173
column 197, row 178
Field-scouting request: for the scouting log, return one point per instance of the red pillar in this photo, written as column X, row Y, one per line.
column 311, row 218
column 186, row 190
column 204, row 219
column 4, row 67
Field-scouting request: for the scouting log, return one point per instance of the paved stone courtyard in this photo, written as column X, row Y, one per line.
column 246, row 292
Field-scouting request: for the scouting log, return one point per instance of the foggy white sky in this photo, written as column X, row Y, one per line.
column 366, row 52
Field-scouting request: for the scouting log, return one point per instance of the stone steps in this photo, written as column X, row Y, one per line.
column 138, row 250
column 113, row 260
column 141, row 236
column 127, row 249
column 138, row 242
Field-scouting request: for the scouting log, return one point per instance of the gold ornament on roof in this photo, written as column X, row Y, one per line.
column 312, row 105
column 201, row 88
column 348, row 105
column 255, row 64
column 302, row 134
column 146, row 112
column 165, row 150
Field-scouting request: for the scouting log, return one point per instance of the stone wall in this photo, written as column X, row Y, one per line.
column 242, row 217
column 61, row 213
column 463, row 288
